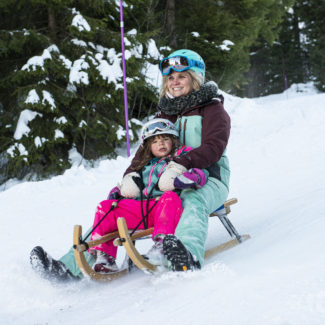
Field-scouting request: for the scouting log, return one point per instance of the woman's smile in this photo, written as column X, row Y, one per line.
column 179, row 83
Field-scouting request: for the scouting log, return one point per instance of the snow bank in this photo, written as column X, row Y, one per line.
column 276, row 152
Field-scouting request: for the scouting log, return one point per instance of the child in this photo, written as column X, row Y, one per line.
column 140, row 189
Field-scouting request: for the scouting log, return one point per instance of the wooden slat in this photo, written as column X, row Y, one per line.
column 137, row 235
column 83, row 264
column 230, row 202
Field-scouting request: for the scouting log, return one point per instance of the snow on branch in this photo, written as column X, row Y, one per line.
column 22, row 126
column 79, row 21
column 38, row 60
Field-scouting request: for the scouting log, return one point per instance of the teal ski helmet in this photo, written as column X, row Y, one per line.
column 182, row 60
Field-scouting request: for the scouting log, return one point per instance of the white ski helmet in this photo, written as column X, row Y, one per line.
column 158, row 126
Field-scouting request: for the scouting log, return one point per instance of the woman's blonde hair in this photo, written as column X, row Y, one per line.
column 197, row 81
column 145, row 150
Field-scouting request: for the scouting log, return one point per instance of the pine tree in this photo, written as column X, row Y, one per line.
column 66, row 90
column 312, row 17
column 284, row 61
column 297, row 56
column 223, row 33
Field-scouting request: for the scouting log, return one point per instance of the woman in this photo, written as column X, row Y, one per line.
column 197, row 110
column 148, row 201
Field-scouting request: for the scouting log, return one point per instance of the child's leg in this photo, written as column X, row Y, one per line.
column 107, row 225
column 69, row 260
column 166, row 213
column 126, row 208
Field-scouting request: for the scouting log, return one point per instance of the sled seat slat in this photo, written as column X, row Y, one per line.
column 224, row 209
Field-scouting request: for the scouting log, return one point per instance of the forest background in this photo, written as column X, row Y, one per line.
column 61, row 80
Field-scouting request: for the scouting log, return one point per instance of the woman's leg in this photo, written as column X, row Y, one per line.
column 192, row 228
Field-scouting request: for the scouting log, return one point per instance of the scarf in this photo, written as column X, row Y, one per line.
column 177, row 105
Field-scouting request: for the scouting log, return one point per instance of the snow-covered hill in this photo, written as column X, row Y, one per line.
column 277, row 154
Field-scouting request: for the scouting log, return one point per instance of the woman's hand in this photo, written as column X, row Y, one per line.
column 166, row 180
column 129, row 187
column 193, row 178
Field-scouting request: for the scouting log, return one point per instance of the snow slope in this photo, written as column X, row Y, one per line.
column 277, row 154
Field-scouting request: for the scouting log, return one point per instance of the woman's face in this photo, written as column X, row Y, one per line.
column 179, row 83
column 161, row 146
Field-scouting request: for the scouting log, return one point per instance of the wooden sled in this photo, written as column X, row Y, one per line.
column 121, row 237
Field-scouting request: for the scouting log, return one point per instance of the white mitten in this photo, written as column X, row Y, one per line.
column 166, row 180
column 129, row 188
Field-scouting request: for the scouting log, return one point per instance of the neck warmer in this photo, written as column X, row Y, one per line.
column 177, row 105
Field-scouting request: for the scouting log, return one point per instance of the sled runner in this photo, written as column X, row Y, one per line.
column 122, row 238
column 222, row 214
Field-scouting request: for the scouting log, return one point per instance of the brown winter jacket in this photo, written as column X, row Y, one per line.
column 214, row 135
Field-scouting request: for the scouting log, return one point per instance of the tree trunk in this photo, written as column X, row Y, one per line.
column 170, row 23
column 51, row 23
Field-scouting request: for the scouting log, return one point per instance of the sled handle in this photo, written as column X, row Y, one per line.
column 83, row 264
column 230, row 202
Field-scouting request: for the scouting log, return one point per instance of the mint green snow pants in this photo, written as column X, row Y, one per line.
column 192, row 228
column 70, row 262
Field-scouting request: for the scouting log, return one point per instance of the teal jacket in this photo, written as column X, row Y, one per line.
column 152, row 172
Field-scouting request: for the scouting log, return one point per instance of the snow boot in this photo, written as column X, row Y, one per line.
column 155, row 255
column 49, row 268
column 105, row 263
column 177, row 254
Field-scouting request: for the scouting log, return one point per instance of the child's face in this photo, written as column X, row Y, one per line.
column 161, row 146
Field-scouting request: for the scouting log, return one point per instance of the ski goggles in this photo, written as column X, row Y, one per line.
column 179, row 64
column 158, row 127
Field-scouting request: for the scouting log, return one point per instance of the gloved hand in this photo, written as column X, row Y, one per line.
column 114, row 193
column 193, row 178
column 166, row 180
column 129, row 187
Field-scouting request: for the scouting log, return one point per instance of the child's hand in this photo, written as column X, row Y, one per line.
column 193, row 178
column 129, row 188
column 166, row 180
column 114, row 193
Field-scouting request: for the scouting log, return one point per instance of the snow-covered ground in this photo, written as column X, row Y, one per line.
column 277, row 155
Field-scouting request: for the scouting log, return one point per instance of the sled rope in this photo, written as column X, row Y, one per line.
column 113, row 206
column 145, row 217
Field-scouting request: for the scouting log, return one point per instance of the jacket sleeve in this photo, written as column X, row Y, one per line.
column 215, row 136
column 134, row 163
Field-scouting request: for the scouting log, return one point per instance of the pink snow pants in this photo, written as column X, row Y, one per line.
column 163, row 217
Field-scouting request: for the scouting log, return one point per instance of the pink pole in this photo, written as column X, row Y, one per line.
column 124, row 82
